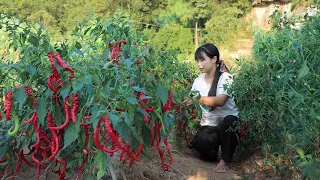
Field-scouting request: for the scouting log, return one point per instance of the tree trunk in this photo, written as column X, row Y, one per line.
column 196, row 36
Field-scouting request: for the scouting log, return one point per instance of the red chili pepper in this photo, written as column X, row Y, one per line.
column 67, row 111
column 64, row 65
column 166, row 167
column 27, row 161
column 35, row 127
column 97, row 142
column 243, row 131
column 158, row 140
column 28, row 91
column 64, row 168
column 141, row 99
column 85, row 157
column 38, row 172
column 54, row 69
column 55, row 144
column 146, row 118
column 149, row 108
column 152, row 136
column 34, row 115
column 3, row 159
column 139, row 151
column 113, row 136
column 49, row 83
column 192, row 113
column 8, row 105
column 35, row 159
column 20, row 158
column 86, row 117
column 168, row 106
column 86, row 131
column 75, row 107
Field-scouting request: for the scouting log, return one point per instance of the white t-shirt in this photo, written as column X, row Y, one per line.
column 212, row 118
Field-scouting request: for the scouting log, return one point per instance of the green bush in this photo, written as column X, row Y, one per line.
column 279, row 98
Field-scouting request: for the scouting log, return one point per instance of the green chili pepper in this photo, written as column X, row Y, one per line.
column 14, row 129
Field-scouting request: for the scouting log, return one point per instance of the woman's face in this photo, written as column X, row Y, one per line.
column 207, row 64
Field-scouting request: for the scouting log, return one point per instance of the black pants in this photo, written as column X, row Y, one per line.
column 209, row 138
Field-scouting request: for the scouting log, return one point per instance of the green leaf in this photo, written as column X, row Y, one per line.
column 128, row 63
column 48, row 93
column 78, row 45
column 3, row 150
column 46, row 46
column 138, row 89
column 101, row 173
column 124, row 130
column 96, row 79
column 41, row 109
column 132, row 100
column 146, row 135
column 303, row 71
column 162, row 93
column 89, row 88
column 300, row 152
column 127, row 118
column 77, row 86
column 34, row 40
column 98, row 159
column 58, row 118
column 79, row 52
column 136, row 134
column 31, row 69
column 95, row 114
column 114, row 119
column 71, row 133
column 105, row 54
column 65, row 91
column 295, row 44
column 101, row 162
column 20, row 96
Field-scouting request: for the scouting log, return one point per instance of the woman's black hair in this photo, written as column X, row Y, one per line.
column 210, row 50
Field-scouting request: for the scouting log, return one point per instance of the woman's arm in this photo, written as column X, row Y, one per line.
column 216, row 101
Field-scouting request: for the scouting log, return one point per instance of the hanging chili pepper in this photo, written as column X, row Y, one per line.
column 64, row 65
column 75, row 107
column 14, row 129
column 149, row 109
column 20, row 158
column 86, row 131
column 67, row 111
column 169, row 153
column 86, row 117
column 4, row 159
column 168, row 106
column 192, row 113
column 28, row 91
column 139, row 151
column 49, row 83
column 34, row 115
column 141, row 99
column 8, row 105
column 54, row 69
column 55, row 144
column 80, row 168
column 97, row 142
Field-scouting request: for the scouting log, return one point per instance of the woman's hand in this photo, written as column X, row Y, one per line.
column 187, row 101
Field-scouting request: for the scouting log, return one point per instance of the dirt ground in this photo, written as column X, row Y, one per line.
column 187, row 166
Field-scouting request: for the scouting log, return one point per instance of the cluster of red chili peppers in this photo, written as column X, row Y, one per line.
column 116, row 51
column 49, row 142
